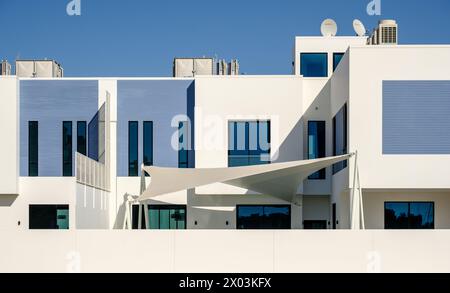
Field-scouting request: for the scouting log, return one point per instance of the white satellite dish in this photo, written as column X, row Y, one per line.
column 359, row 28
column 328, row 28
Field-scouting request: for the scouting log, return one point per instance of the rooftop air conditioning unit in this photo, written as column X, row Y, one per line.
column 385, row 34
column 5, row 68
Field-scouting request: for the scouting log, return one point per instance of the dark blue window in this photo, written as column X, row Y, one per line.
column 67, row 148
column 248, row 143
column 183, row 147
column 409, row 215
column 316, row 145
column 314, row 64
column 93, row 138
column 48, row 217
column 133, row 168
column 336, row 59
column 81, row 138
column 340, row 138
column 33, row 154
column 263, row 217
column 148, row 143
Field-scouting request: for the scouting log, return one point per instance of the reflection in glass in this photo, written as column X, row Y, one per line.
column 161, row 217
column 314, row 64
column 263, row 217
column 81, row 137
column 33, row 155
column 409, row 215
column 133, row 168
column 67, row 148
column 49, row 217
column 316, row 145
column 336, row 59
column 248, row 143
column 340, row 138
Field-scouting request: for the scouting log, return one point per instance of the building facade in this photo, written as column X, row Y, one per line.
column 72, row 148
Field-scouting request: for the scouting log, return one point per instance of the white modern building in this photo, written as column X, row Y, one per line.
column 358, row 137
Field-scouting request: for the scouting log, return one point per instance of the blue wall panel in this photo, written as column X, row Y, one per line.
column 51, row 102
column 158, row 101
column 416, row 117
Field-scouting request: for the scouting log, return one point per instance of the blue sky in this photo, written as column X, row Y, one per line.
column 141, row 37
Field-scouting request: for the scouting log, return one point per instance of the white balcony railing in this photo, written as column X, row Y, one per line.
column 92, row 173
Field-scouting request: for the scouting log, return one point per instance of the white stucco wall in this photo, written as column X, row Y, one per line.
column 369, row 66
column 330, row 45
column 213, row 251
column 9, row 145
column 317, row 208
column 37, row 190
column 222, row 99
column 92, row 208
column 374, row 205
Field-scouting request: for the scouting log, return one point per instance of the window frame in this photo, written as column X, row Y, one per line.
column 409, row 212
column 322, row 172
column 79, row 145
column 248, row 154
column 310, row 54
column 33, row 165
column 67, row 149
column 336, row 168
column 144, row 142
column 335, row 65
column 55, row 208
column 136, row 149
column 289, row 224
column 135, row 215
column 183, row 125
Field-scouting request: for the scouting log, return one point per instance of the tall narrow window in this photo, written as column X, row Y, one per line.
column 340, row 138
column 316, row 145
column 248, row 143
column 81, row 138
column 133, row 148
column 148, row 143
column 314, row 64
column 336, row 59
column 183, row 147
column 33, row 155
column 67, row 148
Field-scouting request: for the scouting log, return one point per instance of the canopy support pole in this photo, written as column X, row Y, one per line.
column 356, row 204
column 140, row 216
column 127, row 216
column 146, row 224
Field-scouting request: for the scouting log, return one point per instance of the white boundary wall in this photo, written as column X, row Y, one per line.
column 225, row 251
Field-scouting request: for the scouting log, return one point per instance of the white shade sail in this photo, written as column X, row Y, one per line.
column 280, row 180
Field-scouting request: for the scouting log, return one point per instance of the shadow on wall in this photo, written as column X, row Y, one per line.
column 7, row 200
column 316, row 111
column 118, row 224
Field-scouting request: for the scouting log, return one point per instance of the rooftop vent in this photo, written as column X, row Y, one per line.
column 5, row 68
column 385, row 34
